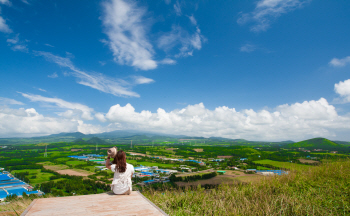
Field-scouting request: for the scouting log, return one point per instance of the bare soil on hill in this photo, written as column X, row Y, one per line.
column 224, row 157
column 198, row 150
column 171, row 149
column 72, row 172
column 56, row 167
column 308, row 161
column 74, row 150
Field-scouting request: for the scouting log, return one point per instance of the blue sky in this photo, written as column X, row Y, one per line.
column 258, row 70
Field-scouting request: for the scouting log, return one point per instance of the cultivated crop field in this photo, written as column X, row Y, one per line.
column 283, row 165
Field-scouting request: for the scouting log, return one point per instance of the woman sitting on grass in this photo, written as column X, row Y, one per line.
column 123, row 172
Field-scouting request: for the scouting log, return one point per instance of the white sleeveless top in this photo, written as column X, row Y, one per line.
column 122, row 181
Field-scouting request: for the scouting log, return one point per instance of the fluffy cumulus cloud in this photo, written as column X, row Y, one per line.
column 343, row 89
column 266, row 11
column 126, row 31
column 28, row 122
column 21, row 122
column 335, row 62
column 296, row 121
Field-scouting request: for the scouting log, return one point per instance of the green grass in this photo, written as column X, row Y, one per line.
column 74, row 163
column 131, row 161
column 320, row 190
column 284, row 165
column 315, row 142
column 63, row 159
column 40, row 176
column 263, row 168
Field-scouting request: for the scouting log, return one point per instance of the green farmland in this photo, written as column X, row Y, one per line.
column 283, row 165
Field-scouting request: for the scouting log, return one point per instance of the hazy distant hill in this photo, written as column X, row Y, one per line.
column 342, row 142
column 319, row 143
column 96, row 140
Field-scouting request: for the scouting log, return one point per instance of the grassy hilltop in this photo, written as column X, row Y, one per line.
column 321, row 190
column 315, row 143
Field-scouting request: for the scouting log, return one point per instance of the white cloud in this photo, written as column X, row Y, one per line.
column 167, row 61
column 6, row 2
column 100, row 117
column 142, row 80
column 335, row 62
column 125, row 28
column 21, row 122
column 40, row 89
column 54, row 75
column 177, row 8
column 248, row 48
column 3, row 26
column 266, row 11
column 22, row 48
column 117, row 87
column 13, row 40
column 297, row 121
column 193, row 20
column 343, row 89
column 28, row 122
column 103, row 63
column 73, row 108
column 25, row 1
column 49, row 45
column 181, row 39
column 5, row 101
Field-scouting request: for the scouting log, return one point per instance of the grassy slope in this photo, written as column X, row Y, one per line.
column 314, row 143
column 322, row 190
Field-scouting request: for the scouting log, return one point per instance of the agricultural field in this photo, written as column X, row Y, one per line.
column 283, row 165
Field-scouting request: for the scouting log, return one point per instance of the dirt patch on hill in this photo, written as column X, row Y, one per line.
column 72, row 172
column 308, row 161
column 171, row 149
column 74, row 150
column 224, row 157
column 56, row 167
column 198, row 150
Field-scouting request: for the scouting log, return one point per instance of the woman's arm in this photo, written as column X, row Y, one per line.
column 108, row 163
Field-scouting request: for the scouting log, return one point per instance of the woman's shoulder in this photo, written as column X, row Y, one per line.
column 129, row 166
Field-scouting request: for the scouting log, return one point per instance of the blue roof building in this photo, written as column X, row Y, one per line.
column 277, row 172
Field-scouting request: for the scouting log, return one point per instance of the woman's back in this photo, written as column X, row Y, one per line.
column 122, row 180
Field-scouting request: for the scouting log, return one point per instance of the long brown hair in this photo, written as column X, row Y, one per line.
column 120, row 161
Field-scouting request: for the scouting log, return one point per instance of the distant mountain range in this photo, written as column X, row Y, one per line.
column 125, row 136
